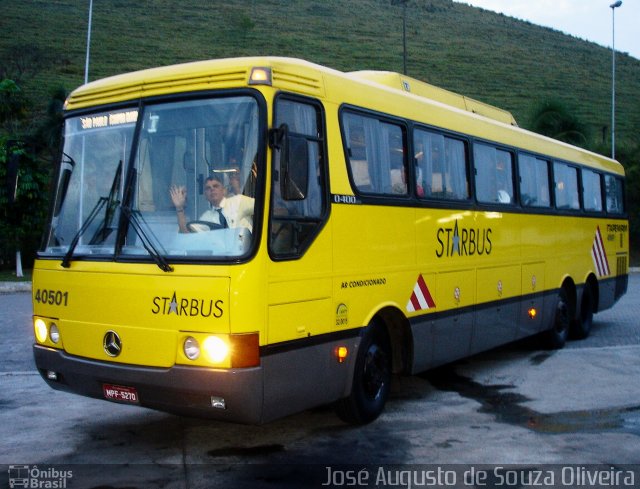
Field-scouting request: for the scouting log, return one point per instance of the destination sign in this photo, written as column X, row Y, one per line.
column 109, row 120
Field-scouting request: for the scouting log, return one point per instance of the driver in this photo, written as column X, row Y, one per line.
column 223, row 212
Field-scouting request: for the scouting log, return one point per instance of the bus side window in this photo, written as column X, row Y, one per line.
column 494, row 174
column 615, row 194
column 534, row 181
column 591, row 191
column 376, row 151
column 566, row 186
column 441, row 166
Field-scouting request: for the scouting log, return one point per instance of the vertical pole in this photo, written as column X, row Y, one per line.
column 613, row 83
column 404, row 37
column 613, row 7
column 86, row 63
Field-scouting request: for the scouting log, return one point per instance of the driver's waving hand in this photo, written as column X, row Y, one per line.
column 224, row 212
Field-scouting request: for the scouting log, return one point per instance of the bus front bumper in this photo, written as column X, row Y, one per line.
column 229, row 394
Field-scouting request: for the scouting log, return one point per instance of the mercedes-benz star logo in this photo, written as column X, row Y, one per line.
column 112, row 344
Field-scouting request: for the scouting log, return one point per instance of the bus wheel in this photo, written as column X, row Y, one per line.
column 556, row 337
column 581, row 327
column 371, row 379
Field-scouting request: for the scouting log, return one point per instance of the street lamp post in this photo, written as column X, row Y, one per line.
column 404, row 37
column 613, row 7
column 86, row 63
column 404, row 32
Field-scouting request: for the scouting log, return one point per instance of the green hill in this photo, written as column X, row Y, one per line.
column 490, row 57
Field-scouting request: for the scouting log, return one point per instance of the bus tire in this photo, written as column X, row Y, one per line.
column 556, row 337
column 581, row 327
column 371, row 379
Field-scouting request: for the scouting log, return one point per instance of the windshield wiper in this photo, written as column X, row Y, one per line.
column 157, row 257
column 105, row 229
column 112, row 203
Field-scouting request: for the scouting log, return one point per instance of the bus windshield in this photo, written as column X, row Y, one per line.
column 189, row 191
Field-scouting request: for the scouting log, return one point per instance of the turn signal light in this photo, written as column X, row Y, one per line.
column 245, row 350
column 341, row 353
column 533, row 312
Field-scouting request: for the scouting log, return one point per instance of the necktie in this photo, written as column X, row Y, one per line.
column 221, row 218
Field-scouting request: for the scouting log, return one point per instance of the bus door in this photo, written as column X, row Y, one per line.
column 300, row 286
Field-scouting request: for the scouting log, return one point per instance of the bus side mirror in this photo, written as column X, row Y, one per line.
column 66, row 169
column 13, row 164
column 294, row 163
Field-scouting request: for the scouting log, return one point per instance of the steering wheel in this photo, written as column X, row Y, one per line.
column 202, row 226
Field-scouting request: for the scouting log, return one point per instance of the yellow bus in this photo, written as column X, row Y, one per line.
column 246, row 238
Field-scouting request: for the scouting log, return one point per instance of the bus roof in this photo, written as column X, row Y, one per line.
column 449, row 110
column 431, row 92
column 288, row 73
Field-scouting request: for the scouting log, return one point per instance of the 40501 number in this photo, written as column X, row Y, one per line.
column 52, row 297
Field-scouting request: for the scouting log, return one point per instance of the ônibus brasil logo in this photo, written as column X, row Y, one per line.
column 35, row 477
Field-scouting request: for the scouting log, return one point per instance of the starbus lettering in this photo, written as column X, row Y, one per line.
column 185, row 306
column 462, row 241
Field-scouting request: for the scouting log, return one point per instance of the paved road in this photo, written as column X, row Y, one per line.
column 514, row 405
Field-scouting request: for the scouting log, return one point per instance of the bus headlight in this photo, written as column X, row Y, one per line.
column 216, row 349
column 54, row 333
column 219, row 350
column 40, row 328
column 191, row 348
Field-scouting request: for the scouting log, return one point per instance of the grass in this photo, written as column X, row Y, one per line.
column 499, row 60
column 490, row 57
column 10, row 276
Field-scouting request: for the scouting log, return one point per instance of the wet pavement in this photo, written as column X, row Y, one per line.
column 514, row 405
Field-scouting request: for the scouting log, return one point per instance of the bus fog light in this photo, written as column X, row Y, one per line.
column 218, row 402
column 216, row 349
column 54, row 333
column 40, row 328
column 191, row 348
column 51, row 375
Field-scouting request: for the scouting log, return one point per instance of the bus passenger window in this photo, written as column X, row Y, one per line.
column 398, row 172
column 591, row 191
column 566, row 186
column 441, row 166
column 494, row 174
column 534, row 181
column 376, row 152
column 615, row 194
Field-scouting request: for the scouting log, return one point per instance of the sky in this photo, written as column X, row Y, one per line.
column 585, row 19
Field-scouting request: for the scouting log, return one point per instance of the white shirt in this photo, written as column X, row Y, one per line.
column 237, row 210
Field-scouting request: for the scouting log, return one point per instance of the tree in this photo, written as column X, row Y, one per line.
column 46, row 138
column 14, row 107
column 629, row 156
column 23, row 201
column 552, row 118
column 22, row 219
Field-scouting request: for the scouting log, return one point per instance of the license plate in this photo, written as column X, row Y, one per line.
column 120, row 393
